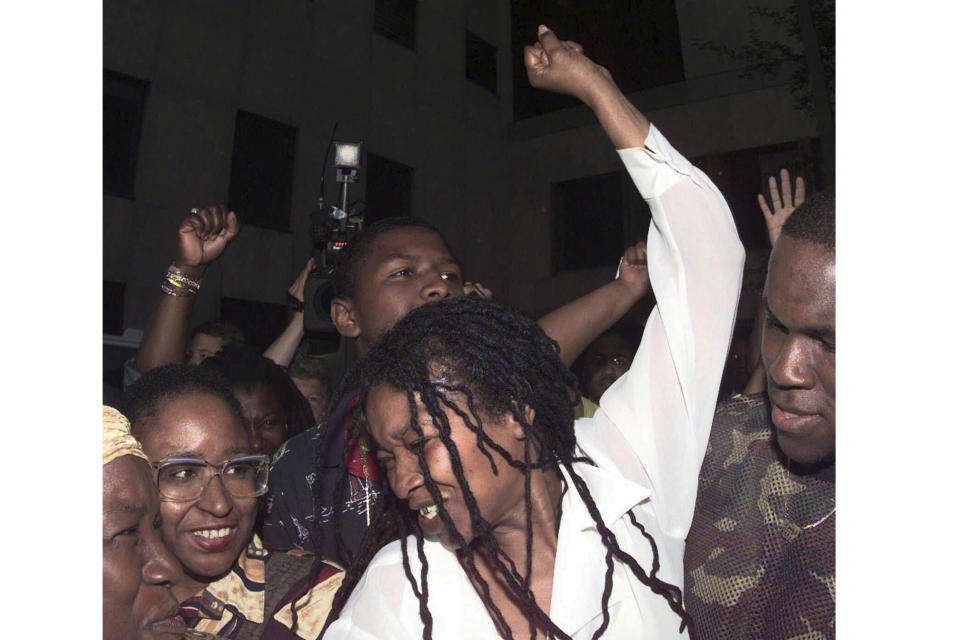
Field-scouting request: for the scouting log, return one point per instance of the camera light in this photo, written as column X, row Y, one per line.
column 347, row 155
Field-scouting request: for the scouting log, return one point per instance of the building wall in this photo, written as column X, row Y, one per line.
column 481, row 178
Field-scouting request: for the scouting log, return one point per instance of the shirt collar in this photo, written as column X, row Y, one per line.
column 613, row 494
column 580, row 566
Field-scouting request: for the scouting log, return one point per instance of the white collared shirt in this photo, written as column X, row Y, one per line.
column 647, row 439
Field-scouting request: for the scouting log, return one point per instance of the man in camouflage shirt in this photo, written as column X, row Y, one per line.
column 760, row 555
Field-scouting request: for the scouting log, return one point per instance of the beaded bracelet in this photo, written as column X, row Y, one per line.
column 176, row 291
column 176, row 283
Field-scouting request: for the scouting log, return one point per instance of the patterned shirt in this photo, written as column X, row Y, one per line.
column 760, row 556
column 234, row 606
column 303, row 489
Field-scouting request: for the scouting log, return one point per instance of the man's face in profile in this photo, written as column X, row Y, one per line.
column 799, row 347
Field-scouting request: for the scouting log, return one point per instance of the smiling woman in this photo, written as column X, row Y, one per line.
column 209, row 479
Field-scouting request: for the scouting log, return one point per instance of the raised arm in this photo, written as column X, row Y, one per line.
column 560, row 66
column 663, row 406
column 202, row 237
column 578, row 323
column 284, row 347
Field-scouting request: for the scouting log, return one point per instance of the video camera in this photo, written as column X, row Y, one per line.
column 331, row 229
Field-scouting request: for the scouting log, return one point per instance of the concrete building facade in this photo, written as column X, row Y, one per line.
column 482, row 178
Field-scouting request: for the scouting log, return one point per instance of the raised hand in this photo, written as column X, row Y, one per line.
column 782, row 209
column 560, row 66
column 477, row 288
column 296, row 289
column 633, row 269
column 204, row 234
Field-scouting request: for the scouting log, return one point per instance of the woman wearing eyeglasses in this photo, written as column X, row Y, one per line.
column 209, row 480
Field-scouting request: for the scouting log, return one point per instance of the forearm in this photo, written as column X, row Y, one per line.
column 576, row 324
column 165, row 336
column 284, row 348
column 623, row 123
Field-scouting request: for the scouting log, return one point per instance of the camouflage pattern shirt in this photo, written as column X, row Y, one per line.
column 760, row 555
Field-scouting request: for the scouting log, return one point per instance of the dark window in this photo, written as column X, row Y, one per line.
column 389, row 188
column 639, row 42
column 396, row 20
column 741, row 175
column 261, row 322
column 123, row 102
column 261, row 174
column 481, row 62
column 113, row 293
column 594, row 219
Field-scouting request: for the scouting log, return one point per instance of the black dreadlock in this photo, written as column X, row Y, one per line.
column 501, row 362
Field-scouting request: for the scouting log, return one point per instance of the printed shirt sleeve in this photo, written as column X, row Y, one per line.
column 289, row 520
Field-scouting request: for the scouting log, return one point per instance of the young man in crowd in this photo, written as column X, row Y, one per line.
column 606, row 359
column 760, row 555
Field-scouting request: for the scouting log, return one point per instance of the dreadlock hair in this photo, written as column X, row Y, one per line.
column 815, row 220
column 246, row 366
column 353, row 256
column 501, row 363
column 145, row 397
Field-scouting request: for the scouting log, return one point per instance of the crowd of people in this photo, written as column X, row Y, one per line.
column 478, row 474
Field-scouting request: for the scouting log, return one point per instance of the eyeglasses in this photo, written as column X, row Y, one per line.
column 185, row 479
column 600, row 360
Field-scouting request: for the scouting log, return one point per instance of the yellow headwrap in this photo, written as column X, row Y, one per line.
column 117, row 440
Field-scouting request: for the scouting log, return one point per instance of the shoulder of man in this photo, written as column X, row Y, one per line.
column 738, row 422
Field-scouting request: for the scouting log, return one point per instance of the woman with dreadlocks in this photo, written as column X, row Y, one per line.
column 504, row 520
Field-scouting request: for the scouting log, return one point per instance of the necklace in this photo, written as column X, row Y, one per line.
column 366, row 479
column 812, row 525
column 821, row 520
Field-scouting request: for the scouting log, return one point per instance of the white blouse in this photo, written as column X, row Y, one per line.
column 647, row 439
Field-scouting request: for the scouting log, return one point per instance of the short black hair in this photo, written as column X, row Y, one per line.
column 144, row 397
column 353, row 256
column 815, row 220
column 230, row 333
column 242, row 365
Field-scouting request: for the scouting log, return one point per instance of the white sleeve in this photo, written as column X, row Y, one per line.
column 663, row 406
column 380, row 605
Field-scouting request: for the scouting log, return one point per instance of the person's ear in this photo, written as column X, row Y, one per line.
column 343, row 317
column 517, row 429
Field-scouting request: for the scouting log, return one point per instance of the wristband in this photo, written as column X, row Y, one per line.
column 293, row 303
column 176, row 283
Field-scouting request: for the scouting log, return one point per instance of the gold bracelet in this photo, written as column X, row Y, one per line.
column 176, row 291
column 175, row 277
